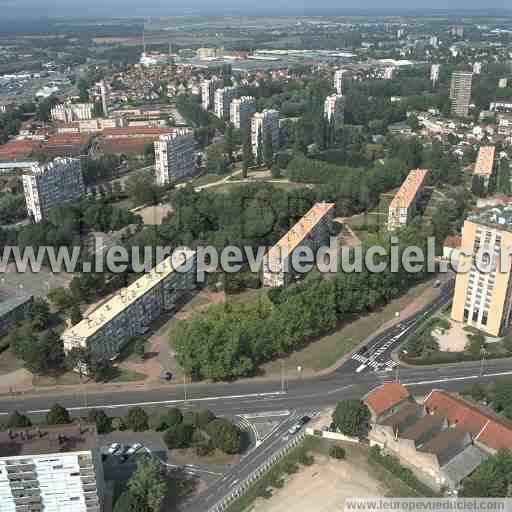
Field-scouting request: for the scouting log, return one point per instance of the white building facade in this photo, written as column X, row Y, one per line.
column 52, row 184
column 241, row 111
column 222, row 101
column 334, row 108
column 175, row 157
column 261, row 123
column 67, row 113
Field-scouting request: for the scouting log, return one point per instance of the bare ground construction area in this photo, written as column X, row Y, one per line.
column 324, row 486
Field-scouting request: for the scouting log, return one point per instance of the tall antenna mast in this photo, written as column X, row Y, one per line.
column 144, row 36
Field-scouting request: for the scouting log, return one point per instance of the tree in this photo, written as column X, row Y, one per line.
column 76, row 314
column 39, row 313
column 215, row 159
column 51, row 350
column 18, row 420
column 178, row 436
column 224, row 435
column 337, row 452
column 247, row 156
column 204, row 417
column 229, row 141
column 61, row 298
column 136, row 419
column 268, row 149
column 139, row 347
column 140, row 189
column 147, row 483
column 102, row 421
column 476, row 345
column 351, row 417
column 128, row 502
column 58, row 415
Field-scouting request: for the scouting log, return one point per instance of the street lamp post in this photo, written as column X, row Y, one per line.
column 483, row 352
column 283, row 378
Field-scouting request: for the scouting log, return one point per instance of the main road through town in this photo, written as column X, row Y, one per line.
column 364, row 370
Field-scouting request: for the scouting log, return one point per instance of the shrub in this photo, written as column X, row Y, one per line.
column 103, row 422
column 58, row 415
column 17, row 420
column 224, row 435
column 204, row 417
column 337, row 452
column 136, row 419
column 118, row 424
column 306, row 459
column 179, row 436
column 291, row 468
column 204, row 449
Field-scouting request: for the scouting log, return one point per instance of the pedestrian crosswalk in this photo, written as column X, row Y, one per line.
column 371, row 362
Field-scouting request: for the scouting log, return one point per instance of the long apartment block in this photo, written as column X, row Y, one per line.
column 312, row 230
column 52, row 184
column 129, row 313
column 175, row 157
column 51, row 469
column 485, row 163
column 484, row 299
column 403, row 206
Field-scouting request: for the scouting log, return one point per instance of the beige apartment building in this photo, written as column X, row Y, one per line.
column 484, row 166
column 403, row 206
column 312, row 230
column 460, row 93
column 130, row 312
column 483, row 300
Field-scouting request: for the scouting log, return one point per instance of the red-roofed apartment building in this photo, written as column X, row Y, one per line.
column 442, row 439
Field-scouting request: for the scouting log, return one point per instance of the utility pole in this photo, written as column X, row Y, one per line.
column 483, row 351
column 283, row 378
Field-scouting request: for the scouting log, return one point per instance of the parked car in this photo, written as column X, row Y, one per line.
column 305, row 419
column 133, row 449
column 293, row 430
column 166, row 376
column 114, row 448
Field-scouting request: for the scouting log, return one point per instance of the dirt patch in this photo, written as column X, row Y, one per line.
column 323, row 487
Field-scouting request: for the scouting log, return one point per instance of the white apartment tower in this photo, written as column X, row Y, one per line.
column 208, row 88
column 175, row 157
column 261, row 123
column 338, row 80
column 52, row 184
column 334, row 108
column 434, row 73
column 460, row 93
column 104, row 99
column 222, row 101
column 477, row 68
column 241, row 111
column 51, row 469
column 67, row 113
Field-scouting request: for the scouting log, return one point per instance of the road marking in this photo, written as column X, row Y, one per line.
column 269, row 414
column 454, row 379
column 163, row 402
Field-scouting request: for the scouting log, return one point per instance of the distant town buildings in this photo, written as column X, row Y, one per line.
column 334, row 108
column 434, row 41
column 434, row 73
column 338, row 80
column 106, row 330
column 503, row 83
column 477, row 68
column 261, row 124
column 403, row 206
column 312, row 230
column 153, row 59
column 222, row 101
column 485, row 164
column 55, row 183
column 70, row 112
column 460, row 93
column 175, row 157
column 482, row 299
column 241, row 111
column 51, row 468
column 210, row 53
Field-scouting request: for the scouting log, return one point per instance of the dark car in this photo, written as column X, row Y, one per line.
column 166, row 376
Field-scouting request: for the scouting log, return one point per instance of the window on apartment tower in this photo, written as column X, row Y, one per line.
column 466, row 314
column 484, row 318
column 474, row 318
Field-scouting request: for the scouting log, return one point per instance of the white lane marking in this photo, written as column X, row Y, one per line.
column 163, row 402
column 454, row 379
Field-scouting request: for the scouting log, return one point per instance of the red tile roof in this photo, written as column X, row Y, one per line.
column 483, row 427
column 386, row 396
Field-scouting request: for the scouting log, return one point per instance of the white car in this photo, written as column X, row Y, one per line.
column 293, row 430
column 134, row 448
column 113, row 448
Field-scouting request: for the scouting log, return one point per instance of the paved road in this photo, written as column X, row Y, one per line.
column 352, row 380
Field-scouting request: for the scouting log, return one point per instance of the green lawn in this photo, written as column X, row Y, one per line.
column 326, row 351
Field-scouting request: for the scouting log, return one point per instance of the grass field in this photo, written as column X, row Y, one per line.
column 9, row 362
